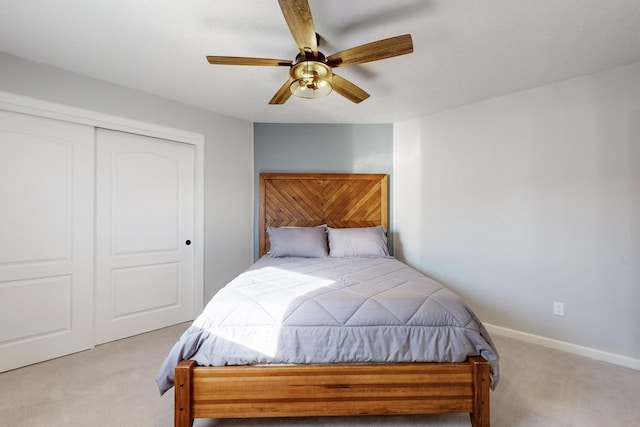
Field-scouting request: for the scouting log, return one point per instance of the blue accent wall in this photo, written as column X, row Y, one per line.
column 322, row 148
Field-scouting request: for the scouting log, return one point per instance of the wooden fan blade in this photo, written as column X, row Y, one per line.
column 238, row 60
column 298, row 17
column 282, row 94
column 382, row 49
column 347, row 89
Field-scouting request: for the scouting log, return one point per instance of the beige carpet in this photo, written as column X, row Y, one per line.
column 113, row 385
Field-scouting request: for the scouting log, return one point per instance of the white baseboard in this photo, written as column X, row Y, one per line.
column 592, row 353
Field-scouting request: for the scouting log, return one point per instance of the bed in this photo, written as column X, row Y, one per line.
column 328, row 374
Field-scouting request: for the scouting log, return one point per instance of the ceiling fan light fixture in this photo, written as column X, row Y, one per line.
column 311, row 79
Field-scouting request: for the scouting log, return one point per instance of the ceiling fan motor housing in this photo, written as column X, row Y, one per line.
column 311, row 77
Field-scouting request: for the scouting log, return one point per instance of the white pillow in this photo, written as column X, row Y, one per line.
column 358, row 242
column 307, row 242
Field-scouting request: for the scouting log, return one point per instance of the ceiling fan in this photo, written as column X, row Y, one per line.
column 311, row 74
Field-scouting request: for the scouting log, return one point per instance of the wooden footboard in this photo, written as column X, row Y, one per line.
column 332, row 390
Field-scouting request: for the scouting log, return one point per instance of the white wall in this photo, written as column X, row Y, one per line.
column 228, row 152
column 531, row 198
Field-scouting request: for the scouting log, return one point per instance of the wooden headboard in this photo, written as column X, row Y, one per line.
column 306, row 200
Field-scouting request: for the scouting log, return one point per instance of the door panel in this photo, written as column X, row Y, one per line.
column 46, row 239
column 146, row 199
column 141, row 289
column 43, row 307
column 145, row 213
column 36, row 192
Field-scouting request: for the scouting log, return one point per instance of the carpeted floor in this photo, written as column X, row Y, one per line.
column 113, row 385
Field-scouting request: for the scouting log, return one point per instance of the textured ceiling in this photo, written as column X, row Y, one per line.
column 464, row 50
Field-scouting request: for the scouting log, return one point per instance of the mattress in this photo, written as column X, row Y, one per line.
column 331, row 310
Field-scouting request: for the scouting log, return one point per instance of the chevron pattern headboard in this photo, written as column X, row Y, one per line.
column 338, row 200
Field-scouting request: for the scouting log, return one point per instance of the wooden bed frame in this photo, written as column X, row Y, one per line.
column 338, row 200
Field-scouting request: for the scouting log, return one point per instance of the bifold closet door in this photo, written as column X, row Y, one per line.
column 46, row 239
column 144, row 232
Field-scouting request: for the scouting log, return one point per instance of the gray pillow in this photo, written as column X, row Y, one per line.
column 307, row 242
column 358, row 242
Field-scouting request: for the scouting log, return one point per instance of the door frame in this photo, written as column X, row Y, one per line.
column 37, row 107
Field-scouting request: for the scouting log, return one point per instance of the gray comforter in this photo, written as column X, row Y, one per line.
column 331, row 310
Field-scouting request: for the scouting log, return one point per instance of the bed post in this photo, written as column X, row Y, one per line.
column 480, row 417
column 183, row 416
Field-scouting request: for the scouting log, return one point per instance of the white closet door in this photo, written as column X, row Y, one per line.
column 46, row 239
column 145, row 225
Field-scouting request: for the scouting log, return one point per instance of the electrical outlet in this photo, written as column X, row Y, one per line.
column 558, row 308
